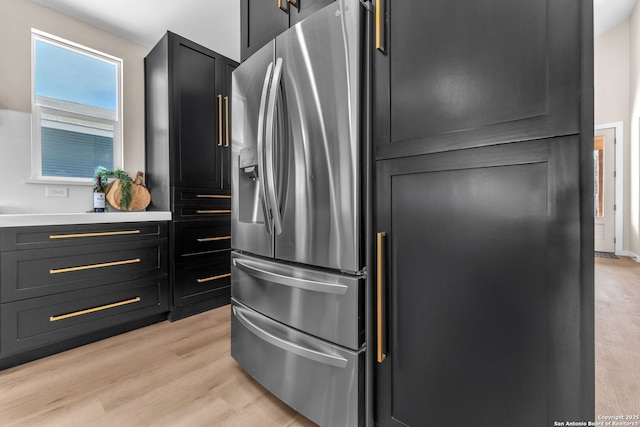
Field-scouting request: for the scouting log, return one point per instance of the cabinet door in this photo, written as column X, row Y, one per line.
column 305, row 8
column 198, row 141
column 483, row 287
column 454, row 77
column 227, row 67
column 261, row 22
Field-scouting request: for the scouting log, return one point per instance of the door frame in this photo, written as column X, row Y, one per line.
column 618, row 128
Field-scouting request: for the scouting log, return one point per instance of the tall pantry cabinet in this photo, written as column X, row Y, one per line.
column 483, row 139
column 187, row 102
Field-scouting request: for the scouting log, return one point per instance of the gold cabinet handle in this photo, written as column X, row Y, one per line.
column 212, row 239
column 283, row 6
column 92, row 266
column 209, row 279
column 215, row 211
column 379, row 25
column 211, row 196
column 381, row 355
column 106, row 233
column 94, row 309
column 219, row 120
column 226, row 119
column 293, row 2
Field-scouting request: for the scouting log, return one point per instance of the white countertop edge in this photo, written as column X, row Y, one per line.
column 36, row 219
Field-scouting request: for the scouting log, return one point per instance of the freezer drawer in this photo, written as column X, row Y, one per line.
column 322, row 381
column 323, row 304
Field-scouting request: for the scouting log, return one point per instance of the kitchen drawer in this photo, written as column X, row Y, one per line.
column 195, row 212
column 195, row 237
column 322, row 381
column 46, row 320
column 41, row 237
column 39, row 272
column 201, row 277
column 324, row 304
column 200, row 197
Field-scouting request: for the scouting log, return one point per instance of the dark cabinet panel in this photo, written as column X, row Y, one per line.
column 195, row 181
column 21, row 238
column 480, row 313
column 32, row 273
column 264, row 20
column 198, row 148
column 37, row 322
column 204, row 275
column 67, row 285
column 453, row 77
column 305, row 8
column 261, row 22
column 197, row 237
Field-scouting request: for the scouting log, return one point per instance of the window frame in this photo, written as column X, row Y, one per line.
column 38, row 110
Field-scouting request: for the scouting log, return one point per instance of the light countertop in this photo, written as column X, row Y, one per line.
column 26, row 220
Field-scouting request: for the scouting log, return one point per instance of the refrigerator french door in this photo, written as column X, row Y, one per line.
column 297, row 266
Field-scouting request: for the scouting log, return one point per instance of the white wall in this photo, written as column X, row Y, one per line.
column 17, row 17
column 612, row 100
column 634, row 151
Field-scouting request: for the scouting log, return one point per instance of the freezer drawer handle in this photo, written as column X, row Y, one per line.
column 309, row 285
column 325, row 359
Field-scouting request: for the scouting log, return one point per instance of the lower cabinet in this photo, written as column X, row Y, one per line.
column 201, row 263
column 65, row 286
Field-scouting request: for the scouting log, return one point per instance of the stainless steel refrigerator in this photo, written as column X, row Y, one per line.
column 297, row 268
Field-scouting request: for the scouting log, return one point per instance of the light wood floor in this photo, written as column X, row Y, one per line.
column 167, row 374
column 617, row 326
column 181, row 373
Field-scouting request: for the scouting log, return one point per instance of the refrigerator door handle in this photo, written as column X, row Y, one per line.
column 253, row 269
column 269, row 141
column 288, row 346
column 261, row 152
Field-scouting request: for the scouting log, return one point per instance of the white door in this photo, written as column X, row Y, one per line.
column 604, row 189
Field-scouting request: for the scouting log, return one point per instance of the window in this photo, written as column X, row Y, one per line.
column 76, row 109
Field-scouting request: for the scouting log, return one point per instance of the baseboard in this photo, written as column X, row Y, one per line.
column 629, row 254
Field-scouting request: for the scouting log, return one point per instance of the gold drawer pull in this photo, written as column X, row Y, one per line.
column 380, row 324
column 216, row 211
column 226, row 126
column 282, row 6
column 212, row 196
column 212, row 239
column 219, row 120
column 92, row 266
column 379, row 25
column 209, row 279
column 94, row 309
column 106, row 233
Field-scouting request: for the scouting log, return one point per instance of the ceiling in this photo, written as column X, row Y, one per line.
column 216, row 23
column 212, row 23
column 608, row 13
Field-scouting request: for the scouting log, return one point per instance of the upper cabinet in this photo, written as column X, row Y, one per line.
column 450, row 77
column 188, row 95
column 263, row 20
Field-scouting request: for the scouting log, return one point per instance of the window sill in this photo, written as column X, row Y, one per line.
column 60, row 181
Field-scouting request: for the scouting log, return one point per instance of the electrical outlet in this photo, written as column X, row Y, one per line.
column 57, row 192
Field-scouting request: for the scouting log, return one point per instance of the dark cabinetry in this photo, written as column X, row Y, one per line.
column 263, row 20
column 483, row 135
column 188, row 144
column 62, row 286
